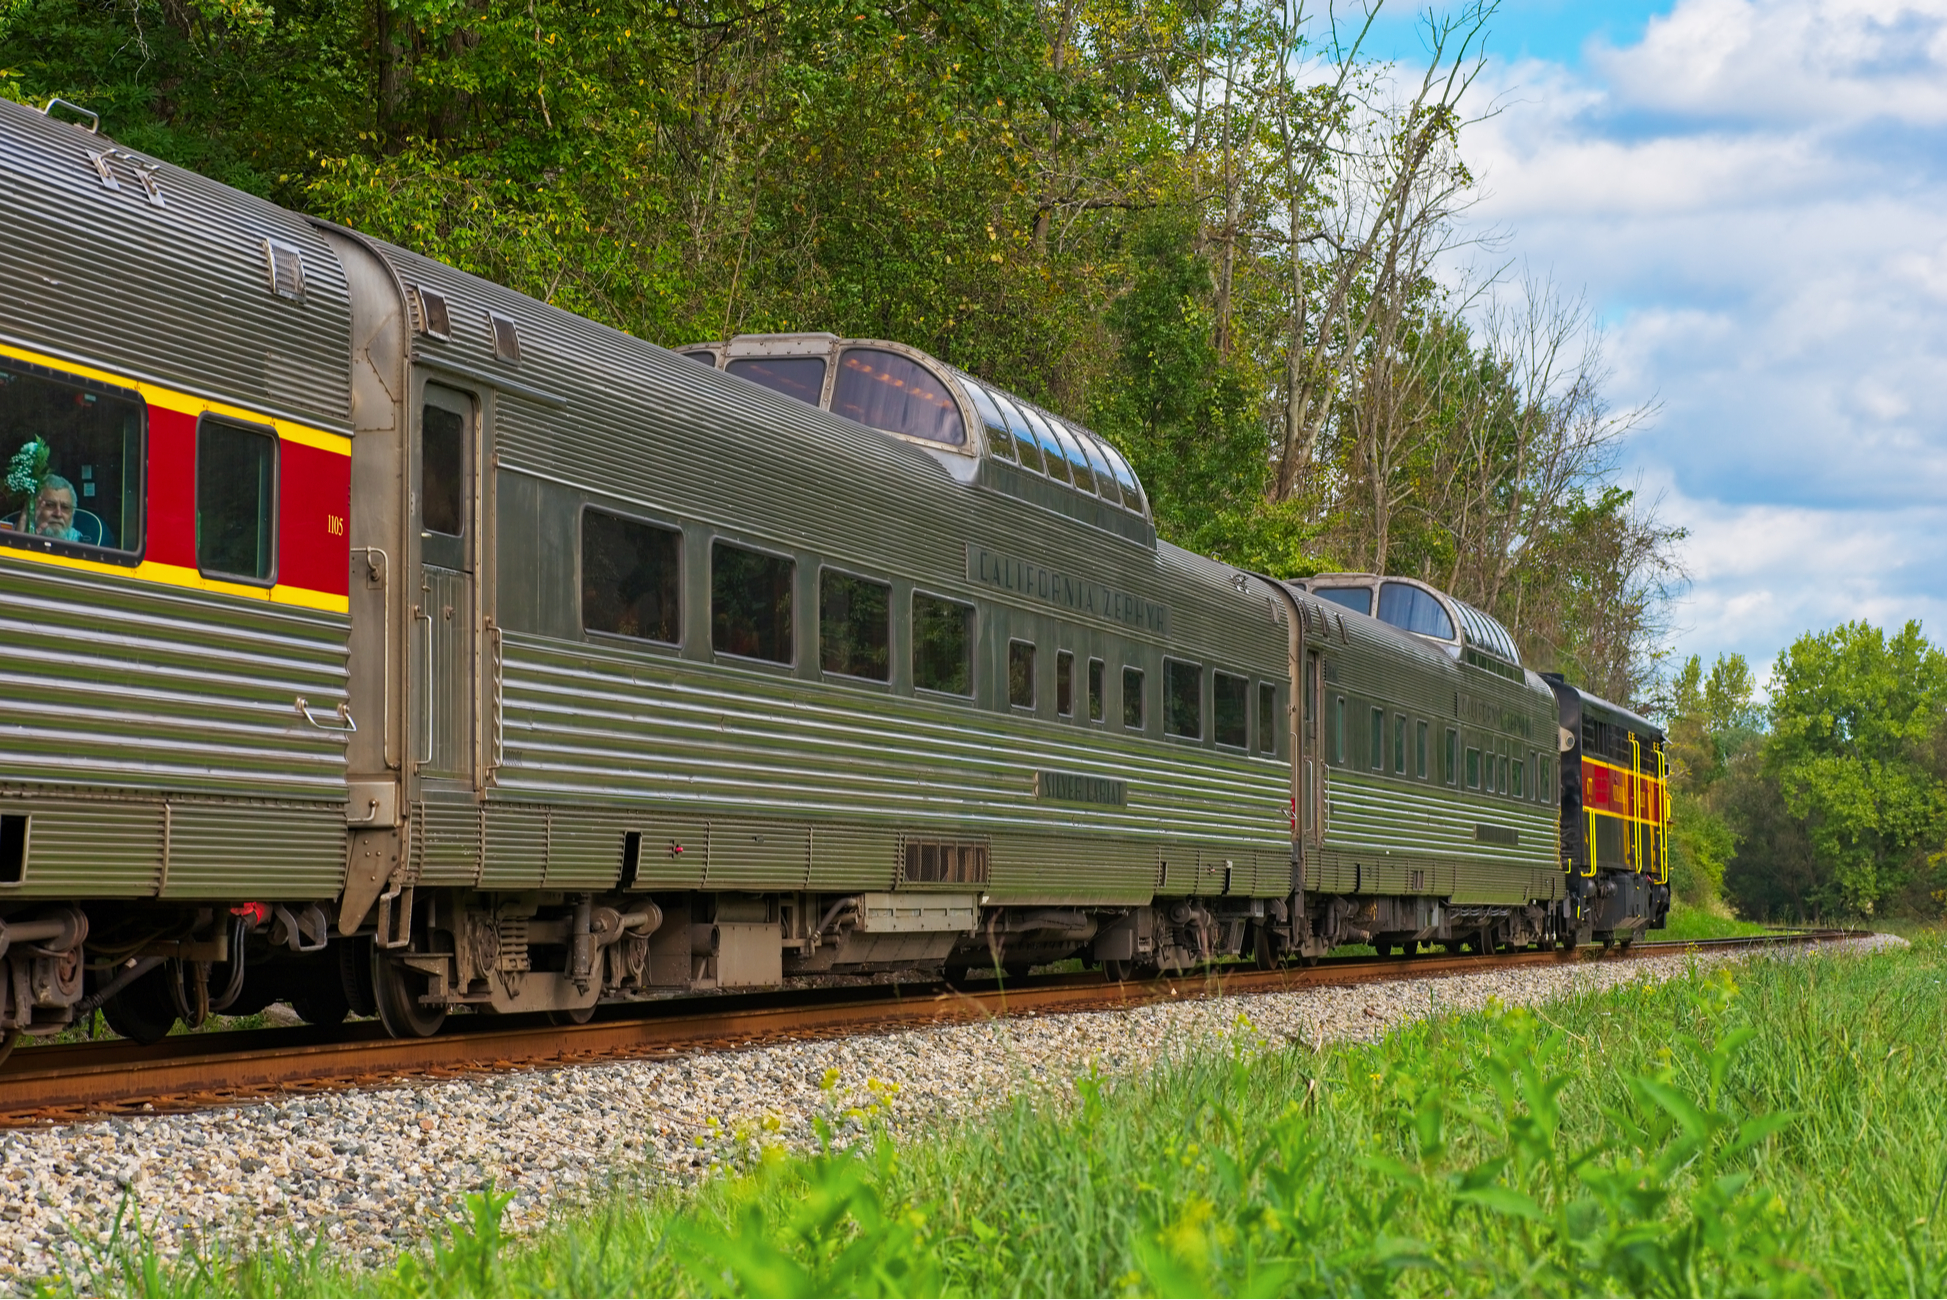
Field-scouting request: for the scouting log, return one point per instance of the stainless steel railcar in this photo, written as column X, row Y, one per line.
column 382, row 639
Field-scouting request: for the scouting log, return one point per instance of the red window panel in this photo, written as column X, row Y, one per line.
column 172, row 488
column 313, row 519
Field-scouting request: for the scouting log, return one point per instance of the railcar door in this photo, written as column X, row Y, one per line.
column 445, row 497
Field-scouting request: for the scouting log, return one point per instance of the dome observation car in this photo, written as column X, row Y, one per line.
column 918, row 398
column 1427, row 613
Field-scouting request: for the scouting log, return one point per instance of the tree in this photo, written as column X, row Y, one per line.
column 1855, row 718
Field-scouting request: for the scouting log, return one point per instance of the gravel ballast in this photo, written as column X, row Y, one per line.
column 372, row 1172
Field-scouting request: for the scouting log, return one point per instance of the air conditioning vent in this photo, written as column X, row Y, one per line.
column 507, row 339
column 286, row 267
column 430, row 307
column 944, row 862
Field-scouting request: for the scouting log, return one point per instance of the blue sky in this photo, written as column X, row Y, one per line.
column 1753, row 196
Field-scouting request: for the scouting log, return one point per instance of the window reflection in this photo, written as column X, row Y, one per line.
column 1025, row 441
column 1412, row 610
column 799, row 377
column 887, row 391
column 1353, row 598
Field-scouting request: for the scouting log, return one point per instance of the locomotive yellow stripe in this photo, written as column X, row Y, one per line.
column 171, row 400
column 176, row 575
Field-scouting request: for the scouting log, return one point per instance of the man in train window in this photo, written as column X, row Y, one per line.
column 54, row 514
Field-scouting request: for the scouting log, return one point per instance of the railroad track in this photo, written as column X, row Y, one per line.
column 66, row 1082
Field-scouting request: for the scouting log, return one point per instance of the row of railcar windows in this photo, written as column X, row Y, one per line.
column 1511, row 774
column 632, row 586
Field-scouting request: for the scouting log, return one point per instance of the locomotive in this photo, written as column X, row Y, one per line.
column 384, row 641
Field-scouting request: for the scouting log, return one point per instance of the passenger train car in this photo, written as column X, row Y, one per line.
column 385, row 641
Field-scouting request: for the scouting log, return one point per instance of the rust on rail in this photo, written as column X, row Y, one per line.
column 64, row 1082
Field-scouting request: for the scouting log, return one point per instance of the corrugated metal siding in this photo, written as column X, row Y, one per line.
column 233, row 851
column 178, row 293
column 584, row 850
column 757, row 855
column 88, row 848
column 587, row 724
column 109, row 682
column 446, row 845
column 845, row 858
column 515, row 854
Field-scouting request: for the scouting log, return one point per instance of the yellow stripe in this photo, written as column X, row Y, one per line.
column 171, row 400
column 176, row 575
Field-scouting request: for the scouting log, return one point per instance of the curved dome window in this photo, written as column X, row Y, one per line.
column 1000, row 439
column 1132, row 493
column 887, row 391
column 1104, row 476
column 1050, row 445
column 1025, row 443
column 1410, row 609
column 1071, row 448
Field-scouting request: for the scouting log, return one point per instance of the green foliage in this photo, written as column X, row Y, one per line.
column 1853, row 714
column 1700, row 1137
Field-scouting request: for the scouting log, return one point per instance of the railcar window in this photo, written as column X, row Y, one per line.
column 1473, row 769
column 1050, row 445
column 1020, row 674
column 887, row 391
column 1026, row 445
column 1399, row 744
column 1105, row 484
column 631, row 578
column 1132, row 493
column 750, row 603
column 1183, row 699
column 799, row 377
column 1000, row 442
column 1450, row 773
column 1232, row 707
column 236, row 500
column 1412, row 610
column 854, row 626
column 442, row 471
column 1356, row 598
column 1419, row 750
column 1338, row 730
column 1132, row 698
column 1376, row 741
column 1519, row 775
column 1071, row 450
column 1501, row 769
column 1095, row 706
column 703, row 358
column 942, row 645
column 1065, row 683
column 1267, row 717
column 72, row 458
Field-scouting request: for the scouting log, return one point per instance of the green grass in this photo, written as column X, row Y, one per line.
column 1773, row 1128
column 1688, row 922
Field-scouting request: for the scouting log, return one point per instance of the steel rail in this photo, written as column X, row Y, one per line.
column 66, row 1082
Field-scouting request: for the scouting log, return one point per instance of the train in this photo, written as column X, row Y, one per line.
column 385, row 642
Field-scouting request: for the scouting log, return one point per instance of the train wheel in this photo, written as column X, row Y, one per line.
column 396, row 988
column 317, row 991
column 572, row 1016
column 1115, row 972
column 142, row 1012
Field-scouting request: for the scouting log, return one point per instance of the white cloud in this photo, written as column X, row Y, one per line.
column 1754, row 197
column 1814, row 62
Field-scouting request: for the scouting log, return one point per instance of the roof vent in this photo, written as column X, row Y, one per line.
column 434, row 319
column 286, row 267
column 507, row 339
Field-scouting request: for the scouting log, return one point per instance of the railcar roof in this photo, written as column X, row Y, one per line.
column 914, row 396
